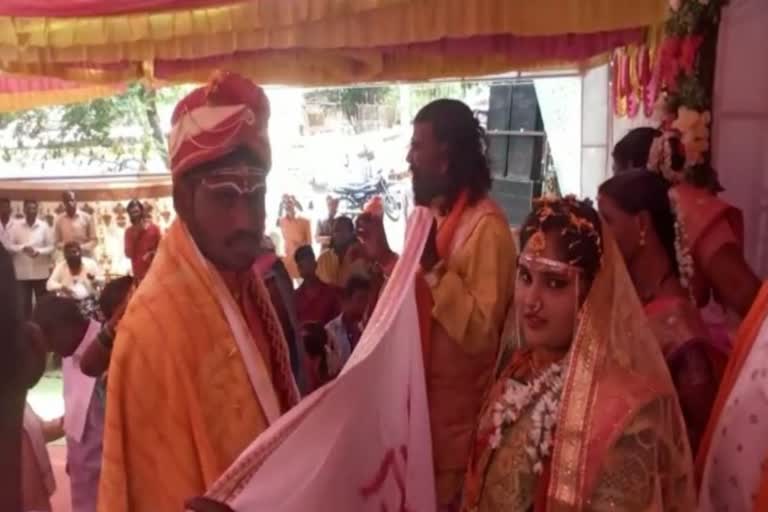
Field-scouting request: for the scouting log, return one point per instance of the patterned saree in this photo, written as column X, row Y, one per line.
column 619, row 436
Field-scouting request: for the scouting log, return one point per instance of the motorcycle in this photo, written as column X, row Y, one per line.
column 354, row 197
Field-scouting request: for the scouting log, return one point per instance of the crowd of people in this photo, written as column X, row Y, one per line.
column 571, row 368
column 62, row 294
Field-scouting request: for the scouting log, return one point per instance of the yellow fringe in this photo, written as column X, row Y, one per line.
column 286, row 24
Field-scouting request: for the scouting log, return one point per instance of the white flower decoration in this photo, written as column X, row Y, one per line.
column 544, row 393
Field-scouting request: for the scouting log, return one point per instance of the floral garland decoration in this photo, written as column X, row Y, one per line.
column 684, row 258
column 687, row 74
column 682, row 79
column 660, row 161
column 687, row 57
column 545, row 391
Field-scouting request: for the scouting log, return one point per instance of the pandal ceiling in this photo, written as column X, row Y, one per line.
column 85, row 48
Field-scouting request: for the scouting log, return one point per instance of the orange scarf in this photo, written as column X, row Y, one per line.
column 424, row 300
column 263, row 323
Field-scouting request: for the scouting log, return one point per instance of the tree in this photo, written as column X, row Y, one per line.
column 119, row 130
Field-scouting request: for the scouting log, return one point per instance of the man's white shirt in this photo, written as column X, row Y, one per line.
column 37, row 236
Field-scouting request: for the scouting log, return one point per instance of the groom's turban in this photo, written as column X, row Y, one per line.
column 212, row 121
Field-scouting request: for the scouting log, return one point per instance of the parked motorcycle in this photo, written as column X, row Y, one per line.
column 354, row 197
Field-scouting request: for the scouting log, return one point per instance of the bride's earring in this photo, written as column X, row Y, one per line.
column 642, row 238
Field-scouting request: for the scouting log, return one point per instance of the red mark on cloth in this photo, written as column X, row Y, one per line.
column 390, row 465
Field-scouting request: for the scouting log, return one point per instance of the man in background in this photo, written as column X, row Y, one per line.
column 69, row 334
column 345, row 257
column 296, row 231
column 280, row 287
column 345, row 330
column 316, row 301
column 113, row 300
column 325, row 226
column 5, row 220
column 141, row 240
column 77, row 276
column 31, row 244
column 74, row 225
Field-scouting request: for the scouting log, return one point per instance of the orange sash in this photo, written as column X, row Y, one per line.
column 424, row 300
column 745, row 338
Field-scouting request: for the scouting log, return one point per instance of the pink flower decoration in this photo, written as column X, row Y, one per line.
column 669, row 65
column 688, row 52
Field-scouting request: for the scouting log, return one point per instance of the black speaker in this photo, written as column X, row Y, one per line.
column 514, row 197
column 515, row 160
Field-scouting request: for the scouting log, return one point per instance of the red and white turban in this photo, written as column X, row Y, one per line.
column 212, row 121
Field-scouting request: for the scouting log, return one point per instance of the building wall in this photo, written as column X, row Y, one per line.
column 740, row 131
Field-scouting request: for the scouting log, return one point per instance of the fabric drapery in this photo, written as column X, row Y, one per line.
column 275, row 24
column 321, row 67
column 743, row 344
column 281, row 11
column 306, row 42
column 363, row 438
column 22, row 92
column 735, row 459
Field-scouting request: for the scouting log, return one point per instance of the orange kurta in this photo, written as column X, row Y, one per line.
column 296, row 232
column 469, row 303
column 182, row 398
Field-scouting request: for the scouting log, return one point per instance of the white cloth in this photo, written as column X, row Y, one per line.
column 363, row 439
column 33, row 428
column 80, row 285
column 339, row 347
column 4, row 229
column 78, row 387
column 740, row 441
column 39, row 237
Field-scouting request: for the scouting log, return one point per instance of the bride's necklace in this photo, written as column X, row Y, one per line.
column 544, row 393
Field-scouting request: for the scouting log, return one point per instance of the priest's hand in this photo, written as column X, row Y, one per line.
column 207, row 505
column 430, row 258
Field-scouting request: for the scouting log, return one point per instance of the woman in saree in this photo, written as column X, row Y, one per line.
column 636, row 206
column 583, row 416
column 712, row 229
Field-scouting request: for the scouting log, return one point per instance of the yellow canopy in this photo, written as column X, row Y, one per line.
column 323, row 42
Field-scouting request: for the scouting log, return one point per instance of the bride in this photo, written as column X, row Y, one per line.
column 583, row 415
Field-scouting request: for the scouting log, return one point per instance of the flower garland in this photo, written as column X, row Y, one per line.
column 545, row 390
column 660, row 158
column 682, row 63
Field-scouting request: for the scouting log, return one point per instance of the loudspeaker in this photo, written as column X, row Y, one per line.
column 515, row 160
column 514, row 197
column 515, row 107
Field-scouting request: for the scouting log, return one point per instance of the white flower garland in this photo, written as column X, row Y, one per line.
column 682, row 252
column 660, row 158
column 545, row 390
